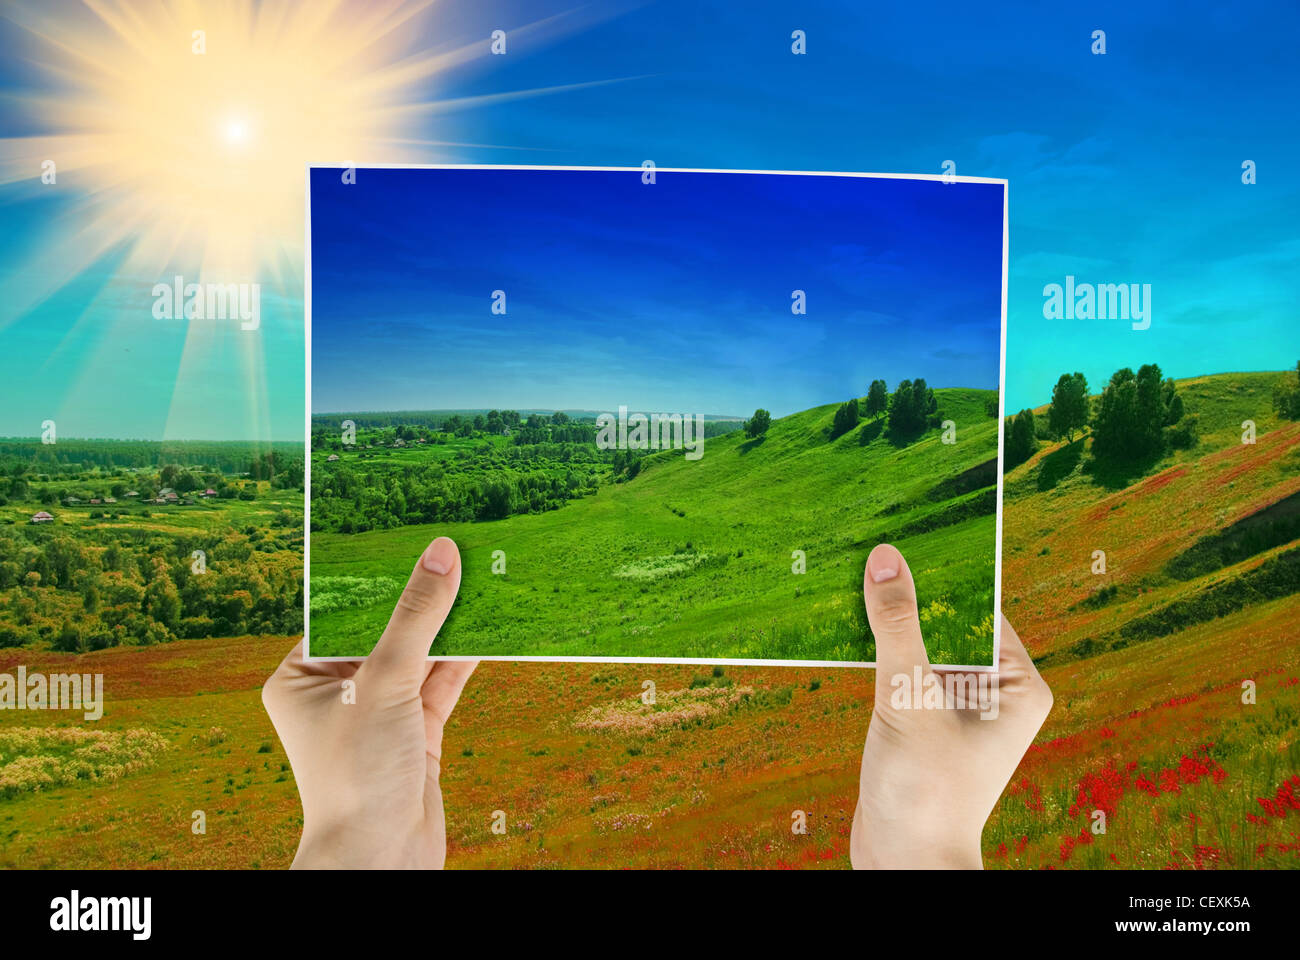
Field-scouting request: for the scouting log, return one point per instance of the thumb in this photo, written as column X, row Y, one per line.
column 891, row 610
column 419, row 615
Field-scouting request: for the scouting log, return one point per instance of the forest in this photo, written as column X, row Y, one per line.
column 90, row 557
column 450, row 467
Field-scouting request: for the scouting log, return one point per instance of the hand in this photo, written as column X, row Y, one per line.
column 367, row 770
column 930, row 777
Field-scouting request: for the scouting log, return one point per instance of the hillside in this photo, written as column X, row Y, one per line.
column 1199, row 534
column 695, row 558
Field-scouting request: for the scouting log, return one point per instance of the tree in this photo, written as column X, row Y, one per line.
column 1115, row 432
column 877, row 399
column 1132, row 413
column 162, row 601
column 1069, row 408
column 1286, row 396
column 68, row 640
column 846, row 418
column 1173, row 403
column 912, row 407
column 1021, row 440
column 757, row 425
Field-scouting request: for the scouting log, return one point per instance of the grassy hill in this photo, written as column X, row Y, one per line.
column 695, row 558
column 1199, row 534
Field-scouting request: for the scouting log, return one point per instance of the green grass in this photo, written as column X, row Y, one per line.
column 694, row 559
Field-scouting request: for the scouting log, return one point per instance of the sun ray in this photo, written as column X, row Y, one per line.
column 184, row 149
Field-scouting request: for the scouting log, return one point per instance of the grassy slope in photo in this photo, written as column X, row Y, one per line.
column 694, row 559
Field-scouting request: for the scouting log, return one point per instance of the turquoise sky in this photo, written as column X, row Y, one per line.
column 1123, row 168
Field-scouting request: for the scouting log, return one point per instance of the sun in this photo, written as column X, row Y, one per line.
column 187, row 126
column 179, row 134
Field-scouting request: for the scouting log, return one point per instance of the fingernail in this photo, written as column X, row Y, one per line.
column 881, row 565
column 439, row 556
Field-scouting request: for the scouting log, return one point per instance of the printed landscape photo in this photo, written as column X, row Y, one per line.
column 664, row 414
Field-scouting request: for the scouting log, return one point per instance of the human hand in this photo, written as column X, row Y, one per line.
column 930, row 777
column 367, row 770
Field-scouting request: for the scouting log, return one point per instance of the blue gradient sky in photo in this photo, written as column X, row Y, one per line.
column 1123, row 168
column 674, row 296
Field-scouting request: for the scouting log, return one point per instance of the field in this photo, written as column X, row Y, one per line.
column 698, row 559
column 1155, row 731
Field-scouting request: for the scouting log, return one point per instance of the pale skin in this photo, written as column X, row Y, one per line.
column 930, row 778
column 368, row 770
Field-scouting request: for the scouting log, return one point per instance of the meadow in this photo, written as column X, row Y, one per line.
column 1156, row 733
column 702, row 559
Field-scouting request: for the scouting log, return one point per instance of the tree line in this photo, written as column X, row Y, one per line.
column 1137, row 417
column 909, row 411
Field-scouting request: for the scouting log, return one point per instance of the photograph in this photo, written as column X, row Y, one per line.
column 641, row 443
column 660, row 411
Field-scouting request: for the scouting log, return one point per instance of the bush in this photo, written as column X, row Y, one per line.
column 1185, row 435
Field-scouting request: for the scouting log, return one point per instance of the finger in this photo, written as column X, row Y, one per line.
column 440, row 694
column 1027, row 693
column 443, row 687
column 1013, row 659
column 419, row 615
column 891, row 610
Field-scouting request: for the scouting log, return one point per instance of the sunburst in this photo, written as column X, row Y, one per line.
column 183, row 129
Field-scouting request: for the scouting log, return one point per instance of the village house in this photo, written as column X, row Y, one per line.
column 133, row 493
column 331, row 458
column 42, row 517
column 71, row 500
column 208, row 493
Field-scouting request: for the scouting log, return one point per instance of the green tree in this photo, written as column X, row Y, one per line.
column 69, row 638
column 162, row 601
column 877, row 399
column 1115, row 432
column 1069, row 408
column 912, row 408
column 757, row 425
column 1132, row 412
column 1021, row 439
column 845, row 419
column 1286, row 396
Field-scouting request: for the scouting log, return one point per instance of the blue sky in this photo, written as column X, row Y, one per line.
column 674, row 296
column 1123, row 168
